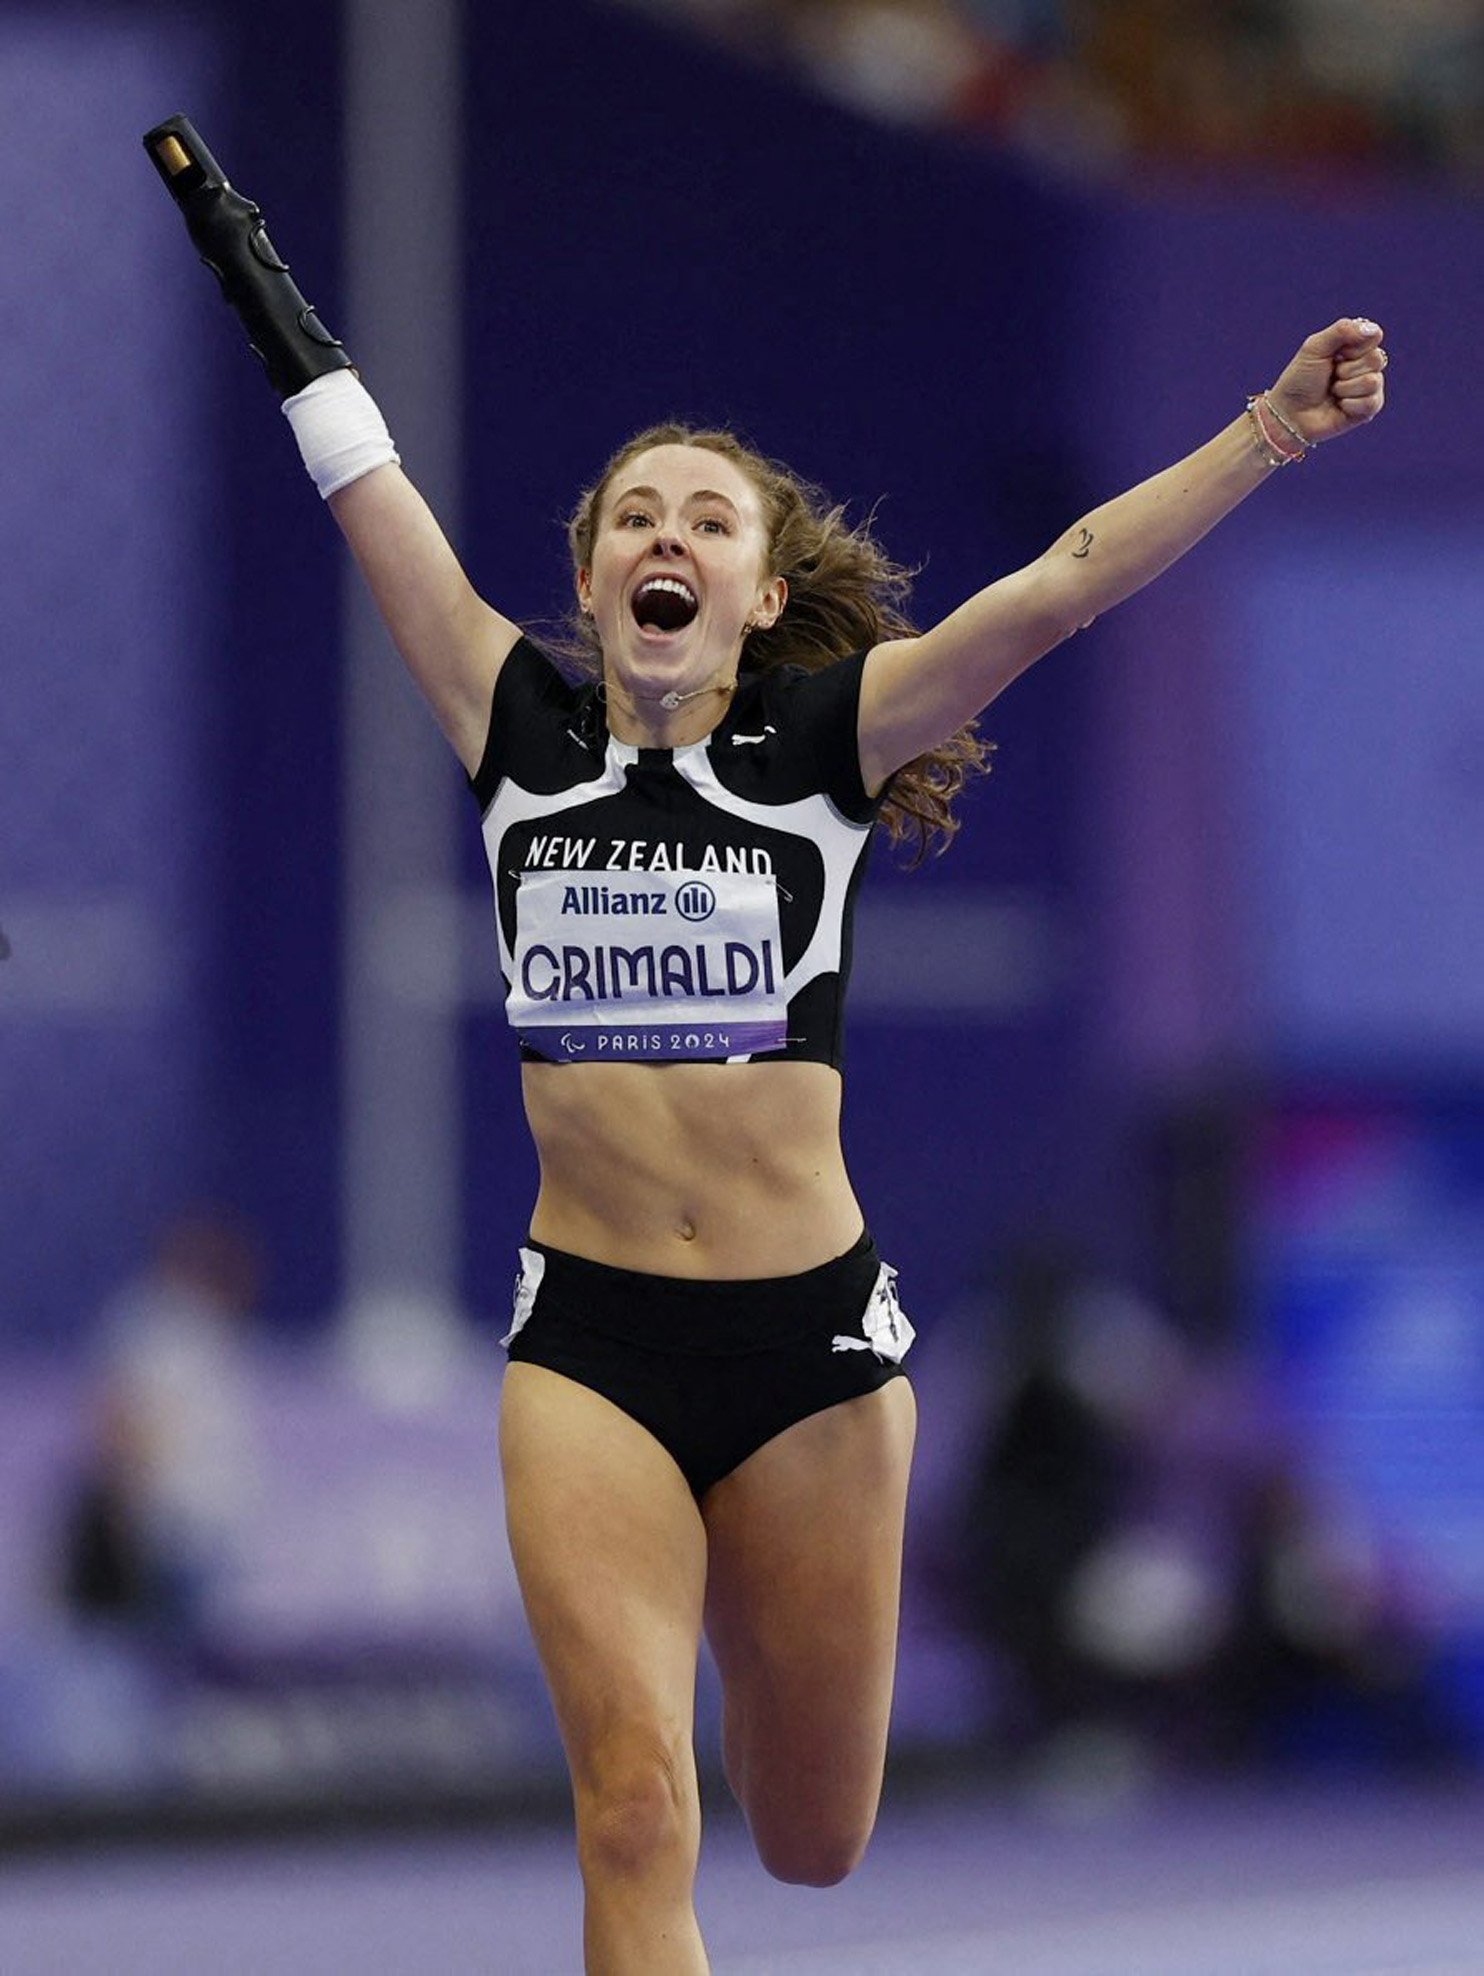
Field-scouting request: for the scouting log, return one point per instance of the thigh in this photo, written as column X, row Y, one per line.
column 610, row 1552
column 801, row 1611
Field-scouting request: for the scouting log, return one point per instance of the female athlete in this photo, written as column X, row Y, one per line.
column 705, row 1425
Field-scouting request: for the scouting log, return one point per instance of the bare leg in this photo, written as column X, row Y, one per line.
column 801, row 1610
column 611, row 1555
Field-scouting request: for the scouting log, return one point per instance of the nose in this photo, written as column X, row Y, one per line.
column 667, row 545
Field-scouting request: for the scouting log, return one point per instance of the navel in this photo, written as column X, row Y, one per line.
column 686, row 1231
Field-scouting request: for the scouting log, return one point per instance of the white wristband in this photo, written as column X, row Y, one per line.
column 340, row 431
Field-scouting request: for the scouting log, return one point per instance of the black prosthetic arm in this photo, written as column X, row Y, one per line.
column 282, row 328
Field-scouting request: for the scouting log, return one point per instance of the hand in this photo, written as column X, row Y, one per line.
column 1336, row 381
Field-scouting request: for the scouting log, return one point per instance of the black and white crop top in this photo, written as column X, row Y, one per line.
column 658, row 904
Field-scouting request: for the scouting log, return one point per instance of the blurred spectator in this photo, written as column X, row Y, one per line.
column 1089, row 85
column 1083, row 1374
column 1145, row 1557
column 909, row 61
column 169, row 1470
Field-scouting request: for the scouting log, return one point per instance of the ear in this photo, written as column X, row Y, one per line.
column 772, row 596
column 585, row 591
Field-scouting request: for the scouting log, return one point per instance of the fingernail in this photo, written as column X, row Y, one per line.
column 1365, row 325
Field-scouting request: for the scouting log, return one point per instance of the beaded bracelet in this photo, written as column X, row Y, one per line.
column 1287, row 424
column 1273, row 451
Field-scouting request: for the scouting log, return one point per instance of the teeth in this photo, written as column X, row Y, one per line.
column 671, row 583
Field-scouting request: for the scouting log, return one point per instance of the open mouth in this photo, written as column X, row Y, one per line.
column 665, row 603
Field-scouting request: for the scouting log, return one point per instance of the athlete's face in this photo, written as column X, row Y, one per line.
column 679, row 571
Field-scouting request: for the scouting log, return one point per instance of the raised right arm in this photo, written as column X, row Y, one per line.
column 452, row 641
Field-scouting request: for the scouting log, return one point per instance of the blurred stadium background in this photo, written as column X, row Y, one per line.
column 1166, row 1086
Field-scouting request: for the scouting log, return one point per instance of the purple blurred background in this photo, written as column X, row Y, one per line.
column 1195, row 1004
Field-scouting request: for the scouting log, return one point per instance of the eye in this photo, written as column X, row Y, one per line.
column 632, row 515
column 715, row 524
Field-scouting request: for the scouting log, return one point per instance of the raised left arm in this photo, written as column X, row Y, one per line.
column 916, row 692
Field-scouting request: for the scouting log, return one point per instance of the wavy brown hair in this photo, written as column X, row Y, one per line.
column 845, row 594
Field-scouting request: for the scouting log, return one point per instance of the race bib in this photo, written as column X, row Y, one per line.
column 667, row 965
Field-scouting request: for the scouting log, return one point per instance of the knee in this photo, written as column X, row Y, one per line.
column 637, row 1811
column 817, row 1857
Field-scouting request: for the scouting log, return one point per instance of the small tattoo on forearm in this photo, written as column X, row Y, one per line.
column 1084, row 543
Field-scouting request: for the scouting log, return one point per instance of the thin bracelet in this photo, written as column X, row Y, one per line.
column 1291, row 429
column 1270, row 455
column 1272, row 452
column 1263, row 403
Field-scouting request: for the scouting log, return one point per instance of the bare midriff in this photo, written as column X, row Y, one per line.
column 688, row 1169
